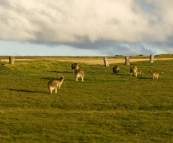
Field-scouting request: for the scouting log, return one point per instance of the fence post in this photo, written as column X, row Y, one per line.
column 11, row 60
column 127, row 61
column 151, row 58
column 105, row 62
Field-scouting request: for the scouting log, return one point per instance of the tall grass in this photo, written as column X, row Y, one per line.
column 103, row 108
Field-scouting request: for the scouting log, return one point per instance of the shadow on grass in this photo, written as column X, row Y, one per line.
column 121, row 74
column 26, row 90
column 156, row 107
column 145, row 78
column 49, row 78
column 61, row 72
column 117, row 74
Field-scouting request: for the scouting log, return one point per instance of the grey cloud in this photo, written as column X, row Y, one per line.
column 146, row 6
column 4, row 3
column 64, row 21
column 110, row 27
column 111, row 47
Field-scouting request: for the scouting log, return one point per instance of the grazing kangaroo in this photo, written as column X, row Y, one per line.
column 74, row 66
column 79, row 74
column 139, row 72
column 154, row 74
column 55, row 84
column 134, row 71
column 116, row 69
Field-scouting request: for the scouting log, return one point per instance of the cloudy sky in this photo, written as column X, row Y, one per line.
column 86, row 27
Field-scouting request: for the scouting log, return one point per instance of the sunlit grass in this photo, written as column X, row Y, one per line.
column 104, row 108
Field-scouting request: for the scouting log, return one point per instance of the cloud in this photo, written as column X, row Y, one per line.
column 114, row 24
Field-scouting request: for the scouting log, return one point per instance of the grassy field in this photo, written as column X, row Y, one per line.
column 105, row 108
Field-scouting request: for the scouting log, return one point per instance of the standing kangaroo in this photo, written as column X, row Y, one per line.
column 116, row 69
column 74, row 66
column 154, row 74
column 79, row 73
column 55, row 84
column 134, row 71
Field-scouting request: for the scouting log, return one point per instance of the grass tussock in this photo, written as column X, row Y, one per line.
column 104, row 108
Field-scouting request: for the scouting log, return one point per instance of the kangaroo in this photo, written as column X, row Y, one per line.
column 154, row 74
column 74, row 66
column 116, row 69
column 134, row 71
column 55, row 84
column 139, row 72
column 79, row 74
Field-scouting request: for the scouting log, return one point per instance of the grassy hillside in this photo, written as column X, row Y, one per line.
column 104, row 108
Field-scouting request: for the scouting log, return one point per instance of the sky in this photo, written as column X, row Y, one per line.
column 85, row 27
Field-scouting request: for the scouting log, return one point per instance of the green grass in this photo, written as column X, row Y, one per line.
column 104, row 108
